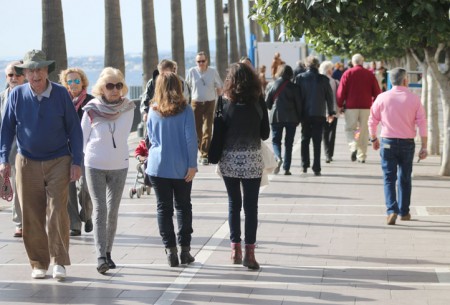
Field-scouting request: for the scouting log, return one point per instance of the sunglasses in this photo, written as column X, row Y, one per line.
column 201, row 61
column 110, row 86
column 71, row 81
column 12, row 74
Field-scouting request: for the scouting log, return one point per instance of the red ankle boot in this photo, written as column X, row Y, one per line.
column 249, row 258
column 236, row 253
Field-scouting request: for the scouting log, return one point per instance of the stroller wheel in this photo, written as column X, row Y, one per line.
column 131, row 193
column 149, row 189
column 139, row 192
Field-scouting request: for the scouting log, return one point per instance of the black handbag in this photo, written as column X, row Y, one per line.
column 218, row 136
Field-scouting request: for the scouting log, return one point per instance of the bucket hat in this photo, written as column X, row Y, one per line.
column 35, row 59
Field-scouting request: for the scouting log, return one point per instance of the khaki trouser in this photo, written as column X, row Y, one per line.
column 204, row 117
column 357, row 118
column 42, row 187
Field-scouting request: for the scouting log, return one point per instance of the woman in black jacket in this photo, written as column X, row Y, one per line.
column 285, row 105
column 247, row 122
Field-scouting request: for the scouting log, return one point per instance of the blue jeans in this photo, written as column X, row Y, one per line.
column 396, row 161
column 166, row 190
column 251, row 193
column 277, row 133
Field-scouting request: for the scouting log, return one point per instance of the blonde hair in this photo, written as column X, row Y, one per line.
column 106, row 73
column 83, row 77
column 168, row 99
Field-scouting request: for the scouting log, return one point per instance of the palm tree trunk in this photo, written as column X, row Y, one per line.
column 241, row 27
column 202, row 28
column 234, row 53
column 150, row 45
column 114, row 54
column 221, row 44
column 177, row 36
column 53, row 36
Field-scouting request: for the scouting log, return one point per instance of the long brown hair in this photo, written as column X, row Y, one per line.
column 168, row 99
column 242, row 85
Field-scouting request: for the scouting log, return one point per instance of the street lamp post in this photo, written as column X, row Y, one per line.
column 226, row 24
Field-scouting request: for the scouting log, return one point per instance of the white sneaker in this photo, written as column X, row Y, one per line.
column 59, row 272
column 38, row 273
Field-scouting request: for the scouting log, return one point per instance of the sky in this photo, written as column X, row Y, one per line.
column 84, row 26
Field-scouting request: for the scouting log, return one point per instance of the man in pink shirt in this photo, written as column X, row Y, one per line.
column 357, row 90
column 399, row 111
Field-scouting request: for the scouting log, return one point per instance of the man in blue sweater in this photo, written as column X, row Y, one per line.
column 41, row 114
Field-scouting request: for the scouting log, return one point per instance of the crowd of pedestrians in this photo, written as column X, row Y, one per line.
column 64, row 148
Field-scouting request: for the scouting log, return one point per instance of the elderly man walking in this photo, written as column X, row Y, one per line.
column 399, row 111
column 356, row 92
column 42, row 116
column 205, row 84
column 13, row 79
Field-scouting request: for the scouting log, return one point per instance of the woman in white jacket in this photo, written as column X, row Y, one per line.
column 106, row 125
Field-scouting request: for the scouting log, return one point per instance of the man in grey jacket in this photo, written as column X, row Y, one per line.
column 13, row 79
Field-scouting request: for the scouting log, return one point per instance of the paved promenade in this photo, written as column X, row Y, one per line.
column 321, row 240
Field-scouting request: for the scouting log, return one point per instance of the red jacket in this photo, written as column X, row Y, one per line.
column 141, row 149
column 358, row 88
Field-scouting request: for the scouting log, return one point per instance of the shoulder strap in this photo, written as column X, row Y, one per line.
column 280, row 89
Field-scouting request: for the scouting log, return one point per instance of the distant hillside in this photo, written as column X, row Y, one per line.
column 93, row 65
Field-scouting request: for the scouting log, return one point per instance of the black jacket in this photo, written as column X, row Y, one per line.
column 287, row 106
column 246, row 124
column 317, row 96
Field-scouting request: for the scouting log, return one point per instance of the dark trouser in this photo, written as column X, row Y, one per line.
column 312, row 128
column 251, row 192
column 277, row 133
column 397, row 157
column 82, row 196
column 329, row 135
column 166, row 190
column 204, row 117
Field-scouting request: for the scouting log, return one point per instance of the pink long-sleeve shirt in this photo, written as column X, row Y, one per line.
column 399, row 111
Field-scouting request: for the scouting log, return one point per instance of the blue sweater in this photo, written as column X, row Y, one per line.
column 173, row 142
column 43, row 128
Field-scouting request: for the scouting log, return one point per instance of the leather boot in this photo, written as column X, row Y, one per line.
column 236, row 253
column 249, row 258
column 110, row 262
column 172, row 256
column 185, row 255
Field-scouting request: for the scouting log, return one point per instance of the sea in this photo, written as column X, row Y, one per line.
column 93, row 65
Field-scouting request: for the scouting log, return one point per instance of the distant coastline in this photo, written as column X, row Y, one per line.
column 93, row 65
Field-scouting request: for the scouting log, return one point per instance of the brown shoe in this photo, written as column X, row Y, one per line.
column 236, row 253
column 391, row 219
column 406, row 217
column 18, row 232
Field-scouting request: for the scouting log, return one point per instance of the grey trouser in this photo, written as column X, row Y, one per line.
column 106, row 188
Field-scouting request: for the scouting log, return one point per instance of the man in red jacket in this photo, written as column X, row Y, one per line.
column 357, row 90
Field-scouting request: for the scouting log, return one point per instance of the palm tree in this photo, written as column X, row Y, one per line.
column 234, row 55
column 53, row 37
column 221, row 44
column 241, row 27
column 202, row 28
column 114, row 54
column 150, row 48
column 255, row 28
column 177, row 36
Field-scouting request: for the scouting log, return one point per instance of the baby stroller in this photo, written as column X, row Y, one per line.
column 142, row 182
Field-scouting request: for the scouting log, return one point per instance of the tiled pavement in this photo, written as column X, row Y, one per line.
column 321, row 240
